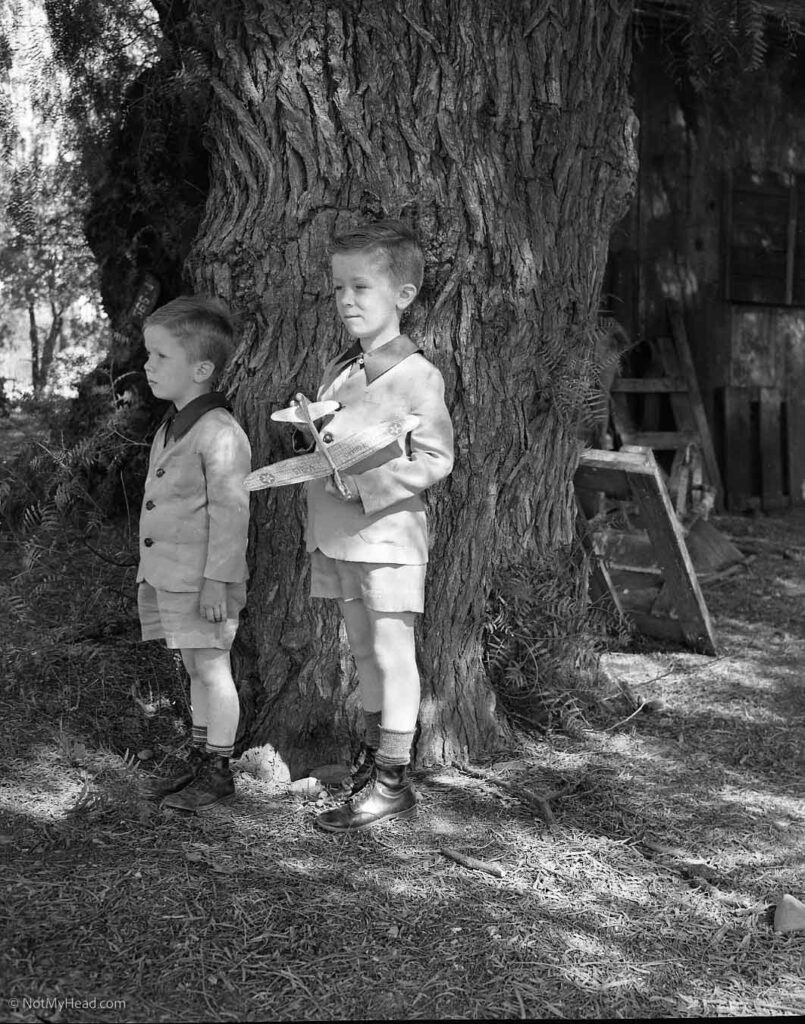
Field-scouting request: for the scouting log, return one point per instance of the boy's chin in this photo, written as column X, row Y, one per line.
column 157, row 393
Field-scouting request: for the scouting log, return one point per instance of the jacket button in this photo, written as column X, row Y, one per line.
column 148, row 542
column 149, row 504
column 160, row 472
column 327, row 437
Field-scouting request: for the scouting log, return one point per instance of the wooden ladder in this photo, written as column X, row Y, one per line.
column 694, row 466
column 678, row 611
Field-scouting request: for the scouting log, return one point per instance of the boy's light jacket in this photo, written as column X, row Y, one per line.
column 389, row 522
column 195, row 514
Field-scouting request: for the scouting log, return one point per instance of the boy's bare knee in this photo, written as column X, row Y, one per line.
column 393, row 624
column 359, row 628
column 210, row 662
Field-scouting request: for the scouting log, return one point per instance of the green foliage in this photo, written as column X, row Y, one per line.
column 543, row 641
column 44, row 258
column 737, row 68
column 712, row 43
column 68, row 481
column 71, row 657
column 67, row 575
column 46, row 268
column 725, row 34
column 103, row 47
column 139, row 89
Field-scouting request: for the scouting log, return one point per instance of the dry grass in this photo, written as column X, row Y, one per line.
column 647, row 898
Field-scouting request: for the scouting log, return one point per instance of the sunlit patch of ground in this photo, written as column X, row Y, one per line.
column 647, row 898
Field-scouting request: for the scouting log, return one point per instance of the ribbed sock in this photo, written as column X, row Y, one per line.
column 199, row 736
column 395, row 747
column 371, row 728
column 216, row 751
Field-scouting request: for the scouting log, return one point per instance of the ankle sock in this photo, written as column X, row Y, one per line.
column 223, row 752
column 395, row 747
column 371, row 728
column 198, row 737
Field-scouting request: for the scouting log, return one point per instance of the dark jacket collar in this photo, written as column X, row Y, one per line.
column 180, row 421
column 378, row 361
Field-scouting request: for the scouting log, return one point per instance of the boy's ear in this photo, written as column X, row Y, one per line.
column 407, row 294
column 203, row 371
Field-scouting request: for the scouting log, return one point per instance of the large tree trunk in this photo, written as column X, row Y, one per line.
column 502, row 133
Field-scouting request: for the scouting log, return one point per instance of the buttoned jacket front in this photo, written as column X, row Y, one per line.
column 195, row 513
column 389, row 523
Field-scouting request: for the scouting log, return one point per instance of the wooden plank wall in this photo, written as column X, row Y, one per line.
column 755, row 473
column 763, row 447
column 793, row 334
column 730, row 248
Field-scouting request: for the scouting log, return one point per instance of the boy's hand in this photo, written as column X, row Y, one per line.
column 349, row 483
column 212, row 600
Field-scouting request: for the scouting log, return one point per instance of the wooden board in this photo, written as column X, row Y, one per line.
column 602, row 591
column 648, row 385
column 699, row 417
column 795, row 412
column 661, row 440
column 771, row 450
column 737, row 462
column 636, row 473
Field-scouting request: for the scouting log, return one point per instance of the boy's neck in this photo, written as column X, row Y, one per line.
column 191, row 396
column 383, row 339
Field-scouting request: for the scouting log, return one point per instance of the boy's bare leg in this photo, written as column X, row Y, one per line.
column 361, row 645
column 394, row 652
column 198, row 700
column 213, row 672
column 382, row 644
column 212, row 684
column 388, row 794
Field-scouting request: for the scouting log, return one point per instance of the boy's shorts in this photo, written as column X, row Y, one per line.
column 176, row 618
column 382, row 586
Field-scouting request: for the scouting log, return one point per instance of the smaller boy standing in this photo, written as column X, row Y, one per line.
column 193, row 534
column 369, row 539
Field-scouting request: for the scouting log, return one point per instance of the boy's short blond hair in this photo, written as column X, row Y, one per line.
column 391, row 239
column 203, row 326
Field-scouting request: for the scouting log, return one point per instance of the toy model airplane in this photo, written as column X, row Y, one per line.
column 328, row 459
column 295, row 413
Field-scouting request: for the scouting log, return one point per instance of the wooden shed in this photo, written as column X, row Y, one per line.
column 717, row 231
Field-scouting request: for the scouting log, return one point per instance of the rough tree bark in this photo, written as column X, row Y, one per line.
column 502, row 131
column 52, row 343
column 33, row 339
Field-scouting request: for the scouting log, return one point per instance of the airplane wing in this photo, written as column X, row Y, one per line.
column 345, row 454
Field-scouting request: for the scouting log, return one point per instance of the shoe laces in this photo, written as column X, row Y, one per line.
column 364, row 792
column 207, row 772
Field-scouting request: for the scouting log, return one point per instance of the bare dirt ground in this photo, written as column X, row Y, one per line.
column 645, row 892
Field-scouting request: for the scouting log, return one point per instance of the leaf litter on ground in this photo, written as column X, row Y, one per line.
column 646, row 893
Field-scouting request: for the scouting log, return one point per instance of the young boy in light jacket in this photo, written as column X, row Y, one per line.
column 193, row 533
column 369, row 546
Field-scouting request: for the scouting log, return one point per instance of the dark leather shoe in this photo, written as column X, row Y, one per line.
column 386, row 796
column 214, row 783
column 157, row 788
